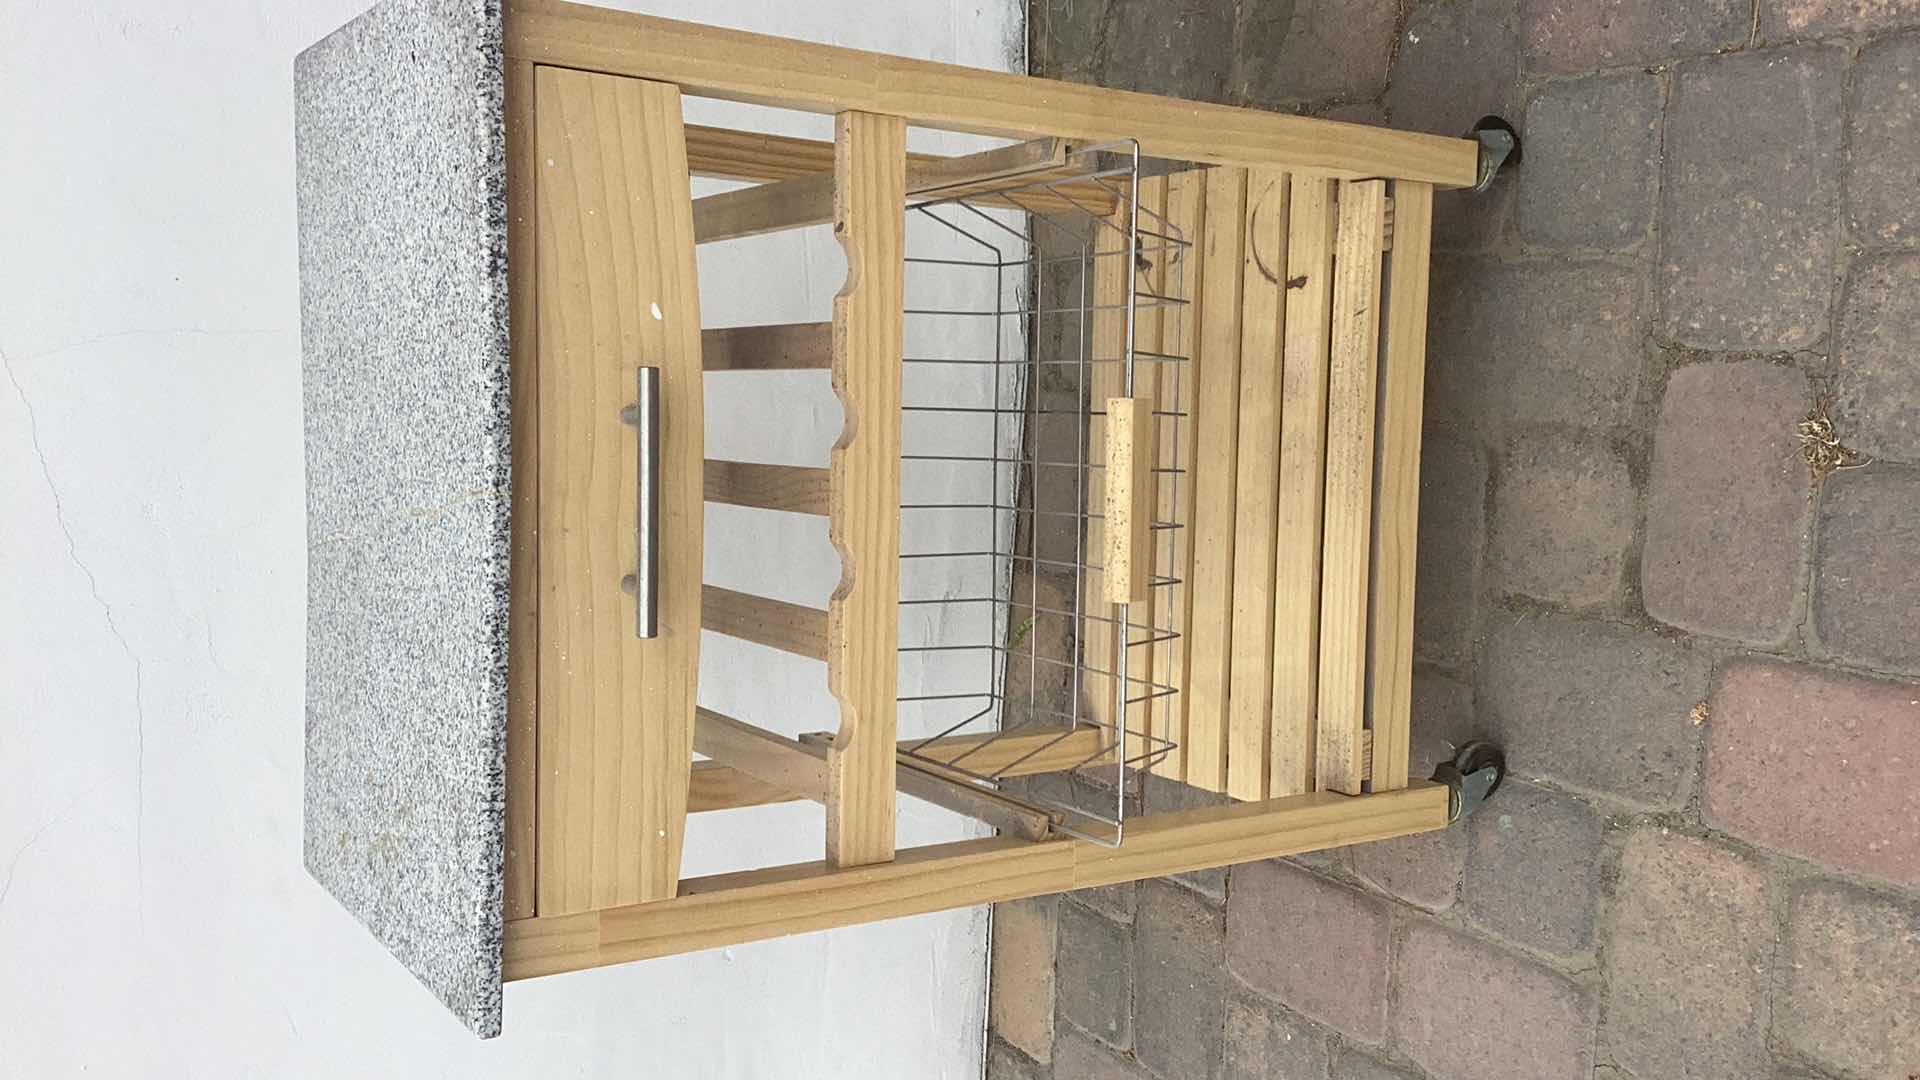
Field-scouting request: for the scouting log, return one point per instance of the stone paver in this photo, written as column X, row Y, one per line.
column 1310, row 50
column 1866, row 588
column 1020, row 997
column 1179, row 981
column 1456, row 64
column 1885, row 143
column 1594, row 705
column 1422, row 869
column 1749, row 199
column 1443, row 720
column 1006, row 1063
column 1540, row 343
column 1274, row 911
column 1533, row 869
column 1095, row 984
column 1876, row 376
column 1263, row 1041
column 1850, row 978
column 1787, row 20
column 1471, row 1011
column 1564, row 515
column 1690, row 962
column 1167, row 797
column 1727, row 506
column 1819, row 763
column 1171, row 50
column 1064, row 38
column 1116, row 902
column 1577, row 35
column 1453, row 531
column 1592, row 161
column 1351, row 1064
column 1079, row 1057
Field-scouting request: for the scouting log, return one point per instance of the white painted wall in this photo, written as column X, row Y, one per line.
column 154, row 916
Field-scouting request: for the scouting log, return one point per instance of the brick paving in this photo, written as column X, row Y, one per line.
column 1702, row 658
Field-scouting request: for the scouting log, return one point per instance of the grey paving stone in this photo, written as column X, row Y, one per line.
column 1079, row 1057
column 1167, row 797
column 1876, row 367
column 1350, row 1064
column 1749, row 222
column 1885, row 142
column 1359, row 112
column 1470, row 222
column 1848, row 969
column 1592, row 161
column 1020, row 997
column 1727, row 504
column 1866, row 590
column 1094, row 986
column 1564, row 514
column 1443, row 721
column 1547, row 342
column 1820, row 763
column 1790, row 20
column 1263, row 1041
column 1533, row 868
column 1342, row 980
column 1006, row 1063
column 1064, row 37
column 1180, row 981
column 1594, row 705
column 1178, row 49
column 1422, row 869
column 1457, row 63
column 1311, row 50
column 1520, row 1021
column 1577, row 35
column 1453, row 533
column 1116, row 902
column 1688, row 961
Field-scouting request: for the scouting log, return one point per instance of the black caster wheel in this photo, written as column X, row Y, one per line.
column 1471, row 777
column 1499, row 149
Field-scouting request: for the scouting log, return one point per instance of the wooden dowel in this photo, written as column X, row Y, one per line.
column 760, row 753
column 793, row 488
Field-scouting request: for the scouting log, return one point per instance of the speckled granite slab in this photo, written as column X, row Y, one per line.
column 401, row 162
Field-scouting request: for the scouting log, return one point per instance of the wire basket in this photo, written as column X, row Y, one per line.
column 1082, row 284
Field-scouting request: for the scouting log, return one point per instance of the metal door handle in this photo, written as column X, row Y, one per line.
column 644, row 582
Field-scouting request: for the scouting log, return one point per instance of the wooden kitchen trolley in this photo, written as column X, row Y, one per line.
column 1222, row 512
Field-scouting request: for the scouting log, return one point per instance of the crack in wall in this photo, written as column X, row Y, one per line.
column 113, row 628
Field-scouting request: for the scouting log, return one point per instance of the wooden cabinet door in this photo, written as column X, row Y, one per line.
column 616, row 291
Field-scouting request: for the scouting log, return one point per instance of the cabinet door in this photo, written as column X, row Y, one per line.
column 616, row 292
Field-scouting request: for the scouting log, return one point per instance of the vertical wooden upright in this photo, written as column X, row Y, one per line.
column 869, row 220
column 1397, row 506
column 616, row 291
column 1348, row 533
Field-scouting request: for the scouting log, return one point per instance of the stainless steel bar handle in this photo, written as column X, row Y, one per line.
column 644, row 583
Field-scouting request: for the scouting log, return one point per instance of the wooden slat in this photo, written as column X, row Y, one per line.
column 720, row 787
column 808, row 200
column 1303, row 433
column 1128, row 560
column 1347, row 544
column 1257, row 472
column 617, row 289
column 523, row 602
column 1186, row 194
column 945, row 788
column 712, row 62
column 869, row 218
column 1216, row 425
column 728, row 154
column 774, row 759
column 1147, row 715
column 794, row 488
column 1397, row 505
column 754, row 905
column 1099, row 639
column 779, row 347
column 793, row 628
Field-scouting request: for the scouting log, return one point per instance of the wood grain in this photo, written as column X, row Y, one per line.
column 863, row 521
column 1256, row 483
column 616, row 290
column 779, row 347
column 1128, row 528
column 791, row 628
column 1303, row 434
column 712, row 62
column 773, row 759
column 1178, row 385
column 1216, row 425
column 795, row 489
column 1397, row 500
column 1347, row 540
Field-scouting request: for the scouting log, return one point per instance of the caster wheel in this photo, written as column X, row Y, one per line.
column 1471, row 777
column 1499, row 149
